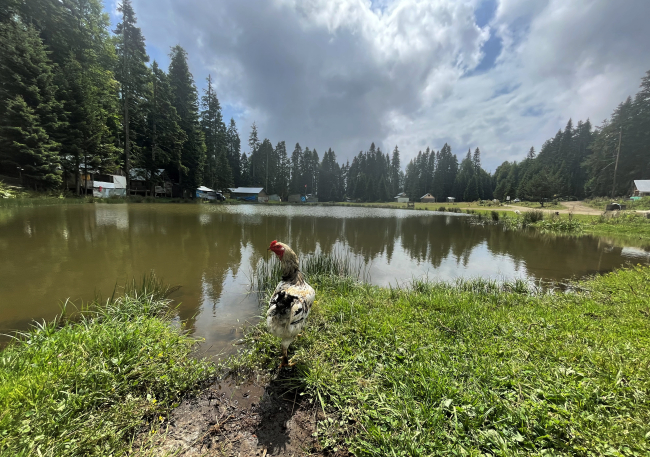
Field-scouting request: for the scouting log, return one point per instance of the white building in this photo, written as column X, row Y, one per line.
column 105, row 186
column 402, row 198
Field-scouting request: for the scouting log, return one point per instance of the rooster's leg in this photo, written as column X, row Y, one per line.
column 285, row 359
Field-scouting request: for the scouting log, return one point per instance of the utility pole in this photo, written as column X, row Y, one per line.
column 620, row 136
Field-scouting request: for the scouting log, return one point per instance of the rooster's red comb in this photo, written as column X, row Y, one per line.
column 273, row 243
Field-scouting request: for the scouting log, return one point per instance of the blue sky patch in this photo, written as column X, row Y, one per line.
column 485, row 12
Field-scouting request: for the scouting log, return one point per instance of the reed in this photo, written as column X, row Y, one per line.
column 320, row 269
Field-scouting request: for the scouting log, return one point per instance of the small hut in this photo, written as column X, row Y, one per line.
column 402, row 198
column 249, row 194
column 428, row 198
column 641, row 187
column 451, row 200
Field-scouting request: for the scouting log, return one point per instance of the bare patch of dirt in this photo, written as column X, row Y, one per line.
column 251, row 418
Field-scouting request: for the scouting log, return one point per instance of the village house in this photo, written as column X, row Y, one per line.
column 428, row 198
column 249, row 194
column 402, row 198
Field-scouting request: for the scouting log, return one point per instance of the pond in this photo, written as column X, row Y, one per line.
column 49, row 254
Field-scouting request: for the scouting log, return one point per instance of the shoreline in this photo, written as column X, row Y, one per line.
column 372, row 363
column 623, row 228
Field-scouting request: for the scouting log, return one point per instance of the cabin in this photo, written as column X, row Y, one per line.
column 402, row 198
column 141, row 180
column 91, row 181
column 428, row 198
column 451, row 200
column 642, row 187
column 249, row 194
column 274, row 198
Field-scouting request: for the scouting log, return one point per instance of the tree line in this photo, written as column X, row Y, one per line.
column 77, row 96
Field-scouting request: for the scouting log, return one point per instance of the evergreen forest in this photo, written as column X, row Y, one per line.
column 78, row 97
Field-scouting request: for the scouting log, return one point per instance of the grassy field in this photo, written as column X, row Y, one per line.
column 637, row 205
column 475, row 368
column 85, row 386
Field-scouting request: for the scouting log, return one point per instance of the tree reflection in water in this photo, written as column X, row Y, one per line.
column 48, row 254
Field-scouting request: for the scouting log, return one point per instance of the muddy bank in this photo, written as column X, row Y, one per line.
column 256, row 417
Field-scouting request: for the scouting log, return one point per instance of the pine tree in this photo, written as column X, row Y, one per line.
column 531, row 154
column 445, row 173
column 214, row 132
column 329, row 178
column 267, row 166
column 256, row 163
column 296, row 170
column 478, row 174
column 395, row 168
column 132, row 75
column 283, row 173
column 28, row 108
column 463, row 178
column 163, row 135
column 233, row 147
column 77, row 37
column 245, row 171
column 185, row 100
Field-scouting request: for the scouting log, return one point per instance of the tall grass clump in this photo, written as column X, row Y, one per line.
column 530, row 217
column 83, row 385
column 478, row 368
column 560, row 225
column 325, row 270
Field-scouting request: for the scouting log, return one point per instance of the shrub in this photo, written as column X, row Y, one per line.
column 530, row 217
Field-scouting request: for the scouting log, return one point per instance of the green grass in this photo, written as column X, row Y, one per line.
column 42, row 200
column 85, row 385
column 476, row 368
column 321, row 268
column 630, row 225
column 601, row 202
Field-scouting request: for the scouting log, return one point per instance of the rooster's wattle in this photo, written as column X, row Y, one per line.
column 291, row 301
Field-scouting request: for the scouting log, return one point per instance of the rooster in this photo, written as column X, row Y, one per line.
column 290, row 304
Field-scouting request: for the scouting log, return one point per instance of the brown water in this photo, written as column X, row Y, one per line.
column 48, row 254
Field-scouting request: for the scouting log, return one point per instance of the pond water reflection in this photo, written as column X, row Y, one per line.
column 48, row 254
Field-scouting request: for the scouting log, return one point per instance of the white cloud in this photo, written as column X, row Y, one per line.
column 343, row 73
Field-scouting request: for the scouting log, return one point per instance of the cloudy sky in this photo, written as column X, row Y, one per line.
column 501, row 75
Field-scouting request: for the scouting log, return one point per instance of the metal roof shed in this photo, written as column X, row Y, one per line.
column 249, row 194
column 642, row 187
